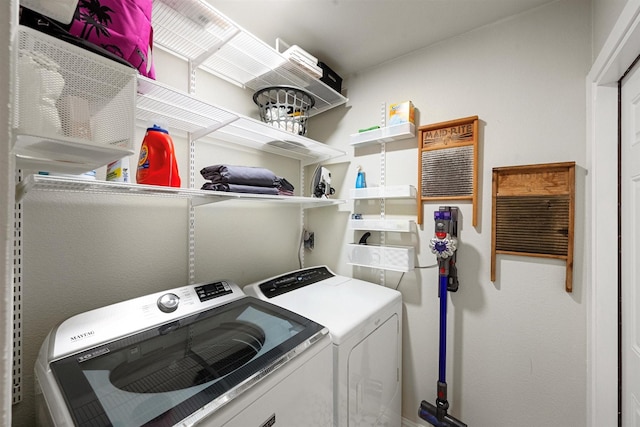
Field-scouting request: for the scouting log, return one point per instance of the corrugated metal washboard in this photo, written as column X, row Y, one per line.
column 448, row 164
column 533, row 213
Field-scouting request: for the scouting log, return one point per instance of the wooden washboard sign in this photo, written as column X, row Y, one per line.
column 448, row 166
column 533, row 213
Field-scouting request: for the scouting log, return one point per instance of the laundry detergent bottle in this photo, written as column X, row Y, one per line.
column 157, row 164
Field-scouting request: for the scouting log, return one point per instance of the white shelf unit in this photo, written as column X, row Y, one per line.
column 123, row 97
column 383, row 134
column 384, row 257
column 211, row 41
column 195, row 31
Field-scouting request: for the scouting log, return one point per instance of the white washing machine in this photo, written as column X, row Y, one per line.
column 365, row 324
column 203, row 354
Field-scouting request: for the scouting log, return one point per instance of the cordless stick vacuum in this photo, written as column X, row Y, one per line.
column 443, row 245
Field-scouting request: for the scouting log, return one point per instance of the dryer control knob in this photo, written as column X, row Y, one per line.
column 168, row 303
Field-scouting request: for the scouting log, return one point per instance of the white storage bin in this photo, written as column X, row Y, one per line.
column 390, row 192
column 396, row 258
column 75, row 109
column 384, row 134
column 398, row 225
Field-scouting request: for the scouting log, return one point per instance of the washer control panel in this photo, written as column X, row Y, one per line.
column 212, row 290
column 292, row 281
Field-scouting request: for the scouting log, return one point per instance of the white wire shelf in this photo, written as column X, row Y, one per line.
column 182, row 111
column 199, row 197
column 199, row 33
column 77, row 156
column 384, row 134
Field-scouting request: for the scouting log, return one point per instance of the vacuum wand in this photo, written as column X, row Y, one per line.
column 443, row 245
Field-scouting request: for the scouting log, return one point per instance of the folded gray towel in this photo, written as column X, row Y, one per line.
column 243, row 175
column 285, row 185
column 237, row 188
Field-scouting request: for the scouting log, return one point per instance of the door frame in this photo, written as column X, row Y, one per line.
column 618, row 53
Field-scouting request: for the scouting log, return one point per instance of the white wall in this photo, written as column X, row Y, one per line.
column 605, row 15
column 517, row 353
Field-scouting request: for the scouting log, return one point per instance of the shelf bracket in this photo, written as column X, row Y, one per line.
column 213, row 49
column 206, row 131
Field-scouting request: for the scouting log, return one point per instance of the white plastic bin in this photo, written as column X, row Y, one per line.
column 397, row 225
column 396, row 258
column 390, row 192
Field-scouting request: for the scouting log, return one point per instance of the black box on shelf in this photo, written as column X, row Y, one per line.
column 330, row 78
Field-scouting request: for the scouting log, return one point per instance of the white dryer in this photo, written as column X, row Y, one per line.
column 203, row 354
column 365, row 324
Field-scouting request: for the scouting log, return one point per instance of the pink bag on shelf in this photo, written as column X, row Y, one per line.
column 122, row 27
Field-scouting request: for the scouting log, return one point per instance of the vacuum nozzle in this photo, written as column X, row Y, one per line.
column 428, row 412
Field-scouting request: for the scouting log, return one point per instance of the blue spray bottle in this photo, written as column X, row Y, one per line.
column 360, row 181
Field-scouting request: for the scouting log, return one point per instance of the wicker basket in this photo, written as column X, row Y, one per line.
column 285, row 107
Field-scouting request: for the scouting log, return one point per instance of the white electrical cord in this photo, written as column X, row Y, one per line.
column 400, row 280
column 312, row 184
column 301, row 247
